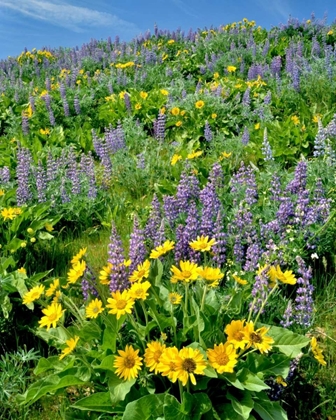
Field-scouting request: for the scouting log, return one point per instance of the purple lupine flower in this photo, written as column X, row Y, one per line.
column 219, row 248
column 304, row 304
column 245, row 136
column 4, row 175
column 170, row 208
column 191, row 231
column 216, row 175
column 137, row 248
column 118, row 276
column 160, row 127
column 77, row 105
column 88, row 285
column 181, row 250
column 40, row 180
column 127, row 101
column 66, row 107
column 276, row 65
column 275, row 189
column 73, row 174
column 259, row 290
column 268, row 98
column 287, row 319
column 210, row 207
column 25, row 125
column 101, row 150
column 32, row 102
column 141, row 161
column 320, row 140
column 266, row 148
column 296, row 77
column 52, row 117
column 246, row 98
column 208, row 135
column 161, row 234
column 154, row 221
column 253, row 254
column 23, row 168
column 188, row 189
column 316, row 48
column 299, row 181
column 87, row 168
column 52, row 168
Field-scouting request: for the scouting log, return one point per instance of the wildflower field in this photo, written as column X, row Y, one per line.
column 167, row 226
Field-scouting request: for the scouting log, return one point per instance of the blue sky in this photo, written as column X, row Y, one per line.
column 67, row 23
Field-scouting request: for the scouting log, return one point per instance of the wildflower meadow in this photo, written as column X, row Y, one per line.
column 167, row 226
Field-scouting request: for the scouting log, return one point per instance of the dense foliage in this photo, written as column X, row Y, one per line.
column 210, row 157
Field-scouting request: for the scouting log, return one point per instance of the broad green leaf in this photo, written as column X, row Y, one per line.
column 275, row 364
column 100, row 401
column 149, row 407
column 45, row 236
column 242, row 403
column 109, row 340
column 192, row 407
column 251, row 381
column 269, row 410
column 106, row 364
column 119, row 388
column 287, row 342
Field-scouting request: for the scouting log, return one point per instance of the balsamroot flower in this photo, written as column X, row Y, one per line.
column 139, row 290
column 202, row 243
column 142, row 272
column 317, row 352
column 223, row 357
column 188, row 363
column 257, row 338
column 33, row 294
column 188, row 272
column 162, row 249
column 153, row 353
column 235, row 333
column 53, row 314
column 94, row 308
column 128, row 363
column 120, row 304
column 71, row 343
column 211, row 275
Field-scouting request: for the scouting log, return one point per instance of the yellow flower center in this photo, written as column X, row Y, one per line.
column 52, row 317
column 186, row 274
column 222, row 359
column 172, row 366
column 121, row 304
column 173, row 299
column 129, row 362
column 157, row 355
column 189, row 365
column 141, row 273
column 238, row 335
column 255, row 338
column 95, row 309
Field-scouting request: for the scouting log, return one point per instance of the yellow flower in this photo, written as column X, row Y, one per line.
column 137, row 106
column 211, row 275
column 286, row 277
column 127, row 263
column 162, row 249
column 280, row 380
column 188, row 363
column 105, row 274
column 94, row 308
column 48, row 227
column 168, row 363
column 216, row 75
column 317, row 352
column 199, row 104
column 257, row 126
column 142, row 272
column 214, row 116
column 194, row 155
column 153, row 353
column 316, row 118
column 239, row 280
column 330, row 32
column 223, row 357
column 76, row 272
column 202, row 243
column 44, row 132
column 53, row 287
column 231, row 69
column 163, row 110
column 183, row 113
column 175, row 111
column 120, row 304
column 143, row 95
column 8, row 213
column 122, row 94
column 175, row 159
column 164, row 92
column 52, row 313
column 188, row 272
column 71, row 343
column 175, row 298
column 225, row 155
column 78, row 256
column 295, row 119
column 33, row 294
column 139, row 290
column 57, row 296
column 257, row 338
column 128, row 363
column 171, row 41
column 2, row 192
column 235, row 333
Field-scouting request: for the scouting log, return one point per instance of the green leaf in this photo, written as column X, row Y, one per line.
column 106, row 364
column 119, row 388
column 149, row 407
column 192, row 407
column 242, row 405
column 45, row 236
column 100, row 401
column 270, row 410
column 109, row 340
column 287, row 342
column 251, row 381
column 275, row 364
